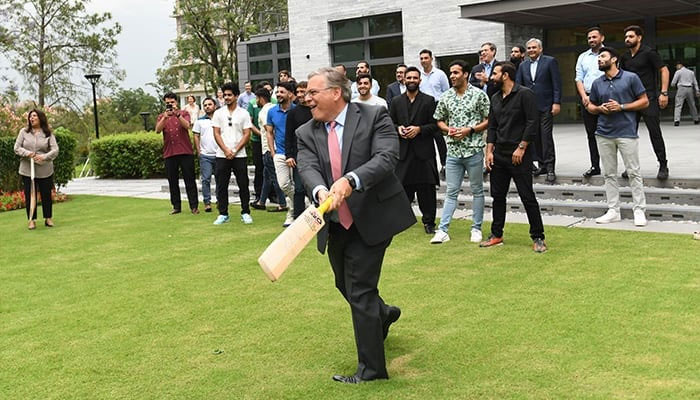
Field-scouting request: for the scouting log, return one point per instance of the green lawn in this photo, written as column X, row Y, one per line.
column 121, row 300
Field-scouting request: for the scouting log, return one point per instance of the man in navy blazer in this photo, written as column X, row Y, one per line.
column 397, row 88
column 541, row 74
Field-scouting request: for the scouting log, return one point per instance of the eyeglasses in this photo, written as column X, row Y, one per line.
column 315, row 92
column 229, row 122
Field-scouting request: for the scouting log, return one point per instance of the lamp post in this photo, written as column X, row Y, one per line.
column 93, row 78
column 145, row 115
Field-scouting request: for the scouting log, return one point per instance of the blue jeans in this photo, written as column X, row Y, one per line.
column 206, row 168
column 270, row 182
column 454, row 174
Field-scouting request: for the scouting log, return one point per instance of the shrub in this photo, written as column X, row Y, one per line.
column 128, row 155
column 63, row 164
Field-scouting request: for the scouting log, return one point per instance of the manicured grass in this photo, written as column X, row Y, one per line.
column 121, row 300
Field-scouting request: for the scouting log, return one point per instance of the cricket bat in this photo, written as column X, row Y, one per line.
column 32, row 202
column 287, row 246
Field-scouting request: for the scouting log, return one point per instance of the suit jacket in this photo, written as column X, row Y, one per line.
column 490, row 86
column 547, row 83
column 392, row 91
column 370, row 149
column 421, row 115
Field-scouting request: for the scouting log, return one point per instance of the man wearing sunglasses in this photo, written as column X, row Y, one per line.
column 231, row 131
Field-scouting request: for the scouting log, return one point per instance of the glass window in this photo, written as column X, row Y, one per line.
column 348, row 52
column 385, row 48
column 349, row 29
column 260, row 49
column 283, row 47
column 385, row 24
column 284, row 63
column 261, row 67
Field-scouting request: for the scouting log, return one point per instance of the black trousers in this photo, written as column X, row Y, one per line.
column 259, row 167
column 239, row 166
column 590, row 122
column 426, row 200
column 173, row 166
column 44, row 186
column 653, row 123
column 299, row 193
column 502, row 172
column 544, row 141
column 357, row 267
column 441, row 147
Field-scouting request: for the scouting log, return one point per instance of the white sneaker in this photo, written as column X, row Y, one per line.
column 476, row 236
column 639, row 218
column 288, row 221
column 440, row 237
column 221, row 219
column 247, row 219
column 610, row 216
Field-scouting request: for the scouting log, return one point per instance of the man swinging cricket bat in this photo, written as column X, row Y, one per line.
column 287, row 246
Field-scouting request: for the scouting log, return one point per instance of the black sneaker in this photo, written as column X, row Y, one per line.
column 592, row 171
column 663, row 173
column 429, row 229
column 625, row 176
column 676, row 123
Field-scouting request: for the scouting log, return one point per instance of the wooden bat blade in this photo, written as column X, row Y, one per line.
column 32, row 201
column 287, row 246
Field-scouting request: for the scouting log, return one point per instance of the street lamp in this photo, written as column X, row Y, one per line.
column 145, row 115
column 93, row 78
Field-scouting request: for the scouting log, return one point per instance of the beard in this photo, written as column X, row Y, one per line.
column 497, row 84
column 605, row 67
column 411, row 87
column 515, row 60
column 630, row 44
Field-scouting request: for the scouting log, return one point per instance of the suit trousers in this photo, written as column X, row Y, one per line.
column 357, row 267
column 173, row 166
column 427, row 201
column 239, row 166
column 544, row 141
column 44, row 186
column 683, row 95
column 259, row 168
column 590, row 122
column 502, row 172
column 653, row 123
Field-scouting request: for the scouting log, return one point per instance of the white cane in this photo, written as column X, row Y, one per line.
column 32, row 201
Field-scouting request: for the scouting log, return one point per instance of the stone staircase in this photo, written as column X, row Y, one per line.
column 675, row 199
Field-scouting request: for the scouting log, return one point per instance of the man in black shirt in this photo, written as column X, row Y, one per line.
column 646, row 63
column 513, row 123
column 296, row 117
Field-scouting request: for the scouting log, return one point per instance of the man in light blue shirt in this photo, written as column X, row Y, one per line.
column 587, row 71
column 246, row 97
column 433, row 81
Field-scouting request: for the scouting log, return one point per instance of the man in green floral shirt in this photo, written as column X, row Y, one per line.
column 462, row 115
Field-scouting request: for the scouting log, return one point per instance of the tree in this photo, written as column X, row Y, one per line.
column 210, row 30
column 51, row 43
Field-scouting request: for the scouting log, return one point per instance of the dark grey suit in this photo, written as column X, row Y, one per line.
column 392, row 91
column 380, row 210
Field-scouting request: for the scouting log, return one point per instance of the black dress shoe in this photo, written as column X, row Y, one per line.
column 175, row 211
column 394, row 314
column 429, row 229
column 625, row 176
column 257, row 206
column 551, row 177
column 539, row 171
column 663, row 173
column 676, row 123
column 347, row 379
column 592, row 171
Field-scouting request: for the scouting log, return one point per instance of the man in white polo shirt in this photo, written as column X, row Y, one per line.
column 206, row 146
column 364, row 87
column 231, row 131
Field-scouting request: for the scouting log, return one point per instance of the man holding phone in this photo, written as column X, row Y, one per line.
column 177, row 153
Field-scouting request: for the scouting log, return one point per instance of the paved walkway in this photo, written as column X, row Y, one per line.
column 682, row 144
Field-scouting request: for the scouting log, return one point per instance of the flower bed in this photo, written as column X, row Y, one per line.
column 15, row 200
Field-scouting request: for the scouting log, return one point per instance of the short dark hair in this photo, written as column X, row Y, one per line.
column 610, row 51
column 341, row 65
column 424, row 51
column 594, row 28
column 636, row 28
column 302, row 84
column 261, row 84
column 401, row 65
column 232, row 87
column 209, row 98
column 412, row 69
column 288, row 86
column 363, row 76
column 520, row 47
column 284, row 71
column 264, row 93
column 170, row 95
column 462, row 64
column 507, row 67
column 365, row 62
column 491, row 45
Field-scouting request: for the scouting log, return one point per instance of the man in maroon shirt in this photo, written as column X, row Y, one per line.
column 177, row 152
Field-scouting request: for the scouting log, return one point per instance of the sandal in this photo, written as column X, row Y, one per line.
column 279, row 209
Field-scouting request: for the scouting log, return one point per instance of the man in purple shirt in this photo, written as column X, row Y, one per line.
column 177, row 152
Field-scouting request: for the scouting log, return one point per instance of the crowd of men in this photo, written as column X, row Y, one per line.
column 494, row 118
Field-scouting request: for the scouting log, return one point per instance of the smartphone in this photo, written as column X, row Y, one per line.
column 169, row 107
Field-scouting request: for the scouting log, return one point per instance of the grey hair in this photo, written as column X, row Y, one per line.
column 538, row 41
column 335, row 79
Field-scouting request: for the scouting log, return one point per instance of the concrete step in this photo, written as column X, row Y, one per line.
column 588, row 209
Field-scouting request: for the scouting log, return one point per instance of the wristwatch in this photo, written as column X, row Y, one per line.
column 664, row 93
column 521, row 145
column 351, row 181
column 622, row 107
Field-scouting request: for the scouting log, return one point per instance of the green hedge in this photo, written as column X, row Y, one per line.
column 63, row 164
column 128, row 155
